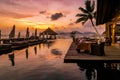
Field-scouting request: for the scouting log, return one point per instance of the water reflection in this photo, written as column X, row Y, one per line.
column 115, row 66
column 56, row 52
column 39, row 46
column 44, row 45
column 26, row 51
column 44, row 65
column 11, row 58
column 90, row 74
column 35, row 49
column 99, row 71
column 49, row 43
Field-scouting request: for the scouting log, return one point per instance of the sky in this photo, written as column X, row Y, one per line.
column 56, row 14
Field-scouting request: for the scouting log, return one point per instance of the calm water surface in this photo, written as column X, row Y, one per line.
column 46, row 62
column 40, row 62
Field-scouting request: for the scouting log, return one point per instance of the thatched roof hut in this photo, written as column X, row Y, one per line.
column 49, row 32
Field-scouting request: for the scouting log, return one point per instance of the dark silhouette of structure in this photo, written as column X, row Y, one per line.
column 98, row 71
column 11, row 58
column 49, row 33
column 12, row 33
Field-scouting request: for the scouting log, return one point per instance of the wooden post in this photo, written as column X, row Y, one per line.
column 55, row 36
column 113, row 33
column 108, row 30
column 43, row 36
column 46, row 35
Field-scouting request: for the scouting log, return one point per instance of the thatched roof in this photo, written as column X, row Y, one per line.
column 49, row 31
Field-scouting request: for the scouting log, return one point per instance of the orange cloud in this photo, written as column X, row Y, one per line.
column 16, row 14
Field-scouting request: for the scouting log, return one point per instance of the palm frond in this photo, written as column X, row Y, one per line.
column 81, row 15
column 88, row 12
column 88, row 5
column 83, row 10
column 95, row 14
column 93, row 6
column 81, row 19
column 85, row 20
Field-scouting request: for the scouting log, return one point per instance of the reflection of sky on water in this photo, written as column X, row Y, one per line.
column 41, row 62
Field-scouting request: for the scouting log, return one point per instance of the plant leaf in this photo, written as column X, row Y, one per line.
column 80, row 19
column 83, row 10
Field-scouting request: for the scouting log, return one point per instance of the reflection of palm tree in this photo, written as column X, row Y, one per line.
column 26, row 53
column 98, row 71
column 88, row 13
column 11, row 58
column 90, row 70
column 90, row 73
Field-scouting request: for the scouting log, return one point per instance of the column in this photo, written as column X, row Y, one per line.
column 113, row 33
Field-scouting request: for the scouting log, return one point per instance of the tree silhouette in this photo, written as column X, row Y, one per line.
column 88, row 13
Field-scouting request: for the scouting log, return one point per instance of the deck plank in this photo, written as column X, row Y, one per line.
column 112, row 54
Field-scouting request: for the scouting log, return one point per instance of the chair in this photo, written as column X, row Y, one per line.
column 98, row 49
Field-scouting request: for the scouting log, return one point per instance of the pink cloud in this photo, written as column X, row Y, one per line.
column 41, row 10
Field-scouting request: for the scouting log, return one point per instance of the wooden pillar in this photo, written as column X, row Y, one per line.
column 50, row 36
column 40, row 35
column 43, row 36
column 46, row 35
column 54, row 36
column 108, row 30
column 113, row 33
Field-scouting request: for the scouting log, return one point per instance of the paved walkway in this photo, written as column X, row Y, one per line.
column 112, row 54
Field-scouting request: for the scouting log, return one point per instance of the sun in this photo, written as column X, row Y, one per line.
column 42, row 26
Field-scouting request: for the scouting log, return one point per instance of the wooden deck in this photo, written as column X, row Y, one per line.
column 112, row 54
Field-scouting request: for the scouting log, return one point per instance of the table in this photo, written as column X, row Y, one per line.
column 86, row 46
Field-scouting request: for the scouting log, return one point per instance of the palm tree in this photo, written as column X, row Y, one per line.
column 88, row 14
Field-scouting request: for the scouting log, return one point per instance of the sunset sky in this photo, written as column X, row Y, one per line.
column 56, row 14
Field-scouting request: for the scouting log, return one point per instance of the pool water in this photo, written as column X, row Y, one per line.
column 45, row 61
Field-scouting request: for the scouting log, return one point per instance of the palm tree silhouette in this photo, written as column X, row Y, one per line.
column 88, row 14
